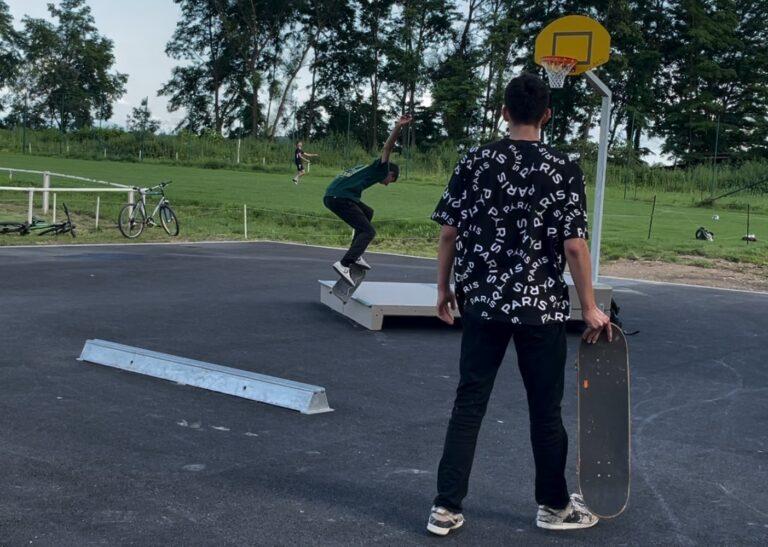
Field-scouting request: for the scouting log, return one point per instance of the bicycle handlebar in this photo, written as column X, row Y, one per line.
column 150, row 188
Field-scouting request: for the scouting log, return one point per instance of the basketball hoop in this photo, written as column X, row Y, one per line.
column 557, row 69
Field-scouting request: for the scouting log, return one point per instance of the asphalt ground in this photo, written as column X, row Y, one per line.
column 93, row 455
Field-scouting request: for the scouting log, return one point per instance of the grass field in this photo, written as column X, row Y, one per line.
column 210, row 203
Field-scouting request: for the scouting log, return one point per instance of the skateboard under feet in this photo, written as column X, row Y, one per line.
column 343, row 290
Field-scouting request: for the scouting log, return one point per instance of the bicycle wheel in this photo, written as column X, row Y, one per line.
column 13, row 228
column 169, row 221
column 131, row 220
column 67, row 227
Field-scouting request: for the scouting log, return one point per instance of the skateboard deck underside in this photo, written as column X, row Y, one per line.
column 343, row 290
column 604, row 424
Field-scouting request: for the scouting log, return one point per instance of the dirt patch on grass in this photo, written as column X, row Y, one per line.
column 694, row 271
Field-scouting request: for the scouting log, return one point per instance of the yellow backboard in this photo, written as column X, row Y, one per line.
column 575, row 36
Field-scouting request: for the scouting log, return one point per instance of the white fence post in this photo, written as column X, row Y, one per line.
column 31, row 205
column 98, row 204
column 54, row 209
column 238, row 151
column 46, row 184
column 130, row 197
column 245, row 220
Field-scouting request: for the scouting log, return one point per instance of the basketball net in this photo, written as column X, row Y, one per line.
column 557, row 69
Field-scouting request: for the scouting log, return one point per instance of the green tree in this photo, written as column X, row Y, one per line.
column 140, row 119
column 9, row 73
column 414, row 37
column 502, row 27
column 255, row 41
column 9, row 47
column 69, row 67
column 634, row 70
column 332, row 19
column 354, row 115
column 313, row 17
column 369, row 61
column 456, row 84
column 335, row 83
column 414, row 34
column 716, row 69
column 636, row 67
column 350, row 69
column 200, row 86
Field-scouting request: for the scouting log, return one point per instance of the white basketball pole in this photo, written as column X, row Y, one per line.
column 602, row 163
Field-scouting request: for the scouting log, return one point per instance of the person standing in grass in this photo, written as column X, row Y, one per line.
column 512, row 216
column 343, row 198
column 299, row 157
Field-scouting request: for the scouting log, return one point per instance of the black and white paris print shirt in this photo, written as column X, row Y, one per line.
column 514, row 204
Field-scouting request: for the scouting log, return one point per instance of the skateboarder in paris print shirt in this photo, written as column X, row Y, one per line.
column 343, row 198
column 512, row 215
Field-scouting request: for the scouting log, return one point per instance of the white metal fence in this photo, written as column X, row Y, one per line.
column 46, row 189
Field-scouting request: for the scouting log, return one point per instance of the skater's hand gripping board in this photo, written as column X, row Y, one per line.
column 604, row 424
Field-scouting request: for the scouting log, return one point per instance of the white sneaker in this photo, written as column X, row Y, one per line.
column 343, row 271
column 442, row 521
column 296, row 180
column 362, row 263
column 574, row 516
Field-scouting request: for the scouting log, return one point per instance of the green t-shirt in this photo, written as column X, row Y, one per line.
column 351, row 183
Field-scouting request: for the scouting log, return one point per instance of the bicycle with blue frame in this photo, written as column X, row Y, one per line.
column 133, row 216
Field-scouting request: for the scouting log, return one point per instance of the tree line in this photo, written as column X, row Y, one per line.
column 690, row 72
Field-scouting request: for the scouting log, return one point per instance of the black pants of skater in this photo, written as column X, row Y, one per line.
column 541, row 355
column 358, row 215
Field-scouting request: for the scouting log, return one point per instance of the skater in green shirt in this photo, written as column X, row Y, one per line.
column 343, row 198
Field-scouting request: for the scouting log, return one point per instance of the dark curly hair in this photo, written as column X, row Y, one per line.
column 526, row 98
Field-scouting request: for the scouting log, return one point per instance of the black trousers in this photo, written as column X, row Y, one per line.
column 358, row 215
column 541, row 355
